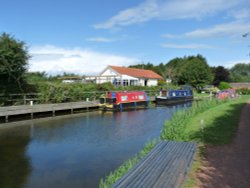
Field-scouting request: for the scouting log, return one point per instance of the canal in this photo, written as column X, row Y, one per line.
column 75, row 151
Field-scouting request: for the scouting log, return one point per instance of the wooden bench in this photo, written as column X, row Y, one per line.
column 165, row 166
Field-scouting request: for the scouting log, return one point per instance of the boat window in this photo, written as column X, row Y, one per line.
column 174, row 94
column 124, row 98
column 141, row 97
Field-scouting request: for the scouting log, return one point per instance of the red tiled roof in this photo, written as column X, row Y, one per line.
column 139, row 73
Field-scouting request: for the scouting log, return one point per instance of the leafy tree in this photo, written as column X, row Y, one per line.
column 220, row 74
column 13, row 63
column 195, row 71
column 148, row 66
column 240, row 72
column 173, row 68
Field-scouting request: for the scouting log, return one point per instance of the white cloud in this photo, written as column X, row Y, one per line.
column 171, row 36
column 56, row 60
column 167, row 9
column 186, row 46
column 240, row 14
column 139, row 14
column 237, row 28
column 230, row 64
column 222, row 30
column 100, row 39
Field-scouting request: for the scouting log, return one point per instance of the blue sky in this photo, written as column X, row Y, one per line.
column 85, row 36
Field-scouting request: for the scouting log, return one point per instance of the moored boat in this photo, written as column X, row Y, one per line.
column 174, row 96
column 226, row 93
column 124, row 100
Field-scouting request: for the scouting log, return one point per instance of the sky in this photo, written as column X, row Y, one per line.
column 83, row 36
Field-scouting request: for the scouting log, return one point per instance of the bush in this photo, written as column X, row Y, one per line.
column 224, row 85
column 161, row 82
column 243, row 91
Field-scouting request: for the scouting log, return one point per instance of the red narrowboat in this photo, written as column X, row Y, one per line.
column 124, row 100
column 227, row 93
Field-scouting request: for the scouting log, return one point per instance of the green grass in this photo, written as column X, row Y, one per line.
column 109, row 180
column 196, row 94
column 176, row 128
column 220, row 124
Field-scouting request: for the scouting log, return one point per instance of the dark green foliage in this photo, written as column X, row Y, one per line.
column 36, row 77
column 224, row 85
column 56, row 92
column 148, row 66
column 13, row 64
column 161, row 82
column 195, row 72
column 221, row 74
column 240, row 72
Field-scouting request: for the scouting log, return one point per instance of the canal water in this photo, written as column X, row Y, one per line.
column 75, row 151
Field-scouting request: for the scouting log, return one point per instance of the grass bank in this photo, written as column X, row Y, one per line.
column 124, row 168
column 220, row 120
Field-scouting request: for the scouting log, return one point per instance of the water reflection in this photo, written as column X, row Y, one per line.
column 14, row 163
column 76, row 151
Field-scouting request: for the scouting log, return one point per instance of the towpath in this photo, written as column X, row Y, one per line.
column 228, row 166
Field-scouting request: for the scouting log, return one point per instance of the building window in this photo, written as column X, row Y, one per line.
column 117, row 82
column 125, row 82
column 133, row 82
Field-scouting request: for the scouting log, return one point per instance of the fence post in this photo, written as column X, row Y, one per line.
column 24, row 99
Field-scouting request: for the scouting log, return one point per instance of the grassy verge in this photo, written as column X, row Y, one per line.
column 177, row 128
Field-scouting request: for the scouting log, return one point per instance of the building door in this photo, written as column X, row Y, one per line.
column 145, row 82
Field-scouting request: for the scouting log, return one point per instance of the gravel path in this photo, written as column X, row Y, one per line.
column 229, row 166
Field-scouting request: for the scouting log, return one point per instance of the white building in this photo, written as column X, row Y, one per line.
column 128, row 76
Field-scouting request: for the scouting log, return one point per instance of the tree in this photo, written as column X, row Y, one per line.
column 240, row 72
column 195, row 71
column 220, row 74
column 13, row 63
column 172, row 70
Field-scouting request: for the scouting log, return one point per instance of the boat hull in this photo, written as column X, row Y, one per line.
column 125, row 106
column 172, row 100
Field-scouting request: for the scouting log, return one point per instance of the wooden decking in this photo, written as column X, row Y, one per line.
column 165, row 166
column 6, row 112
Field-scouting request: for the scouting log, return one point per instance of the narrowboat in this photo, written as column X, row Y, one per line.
column 174, row 96
column 124, row 100
column 225, row 94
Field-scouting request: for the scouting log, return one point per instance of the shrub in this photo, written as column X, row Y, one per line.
column 224, row 85
column 161, row 82
column 243, row 91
